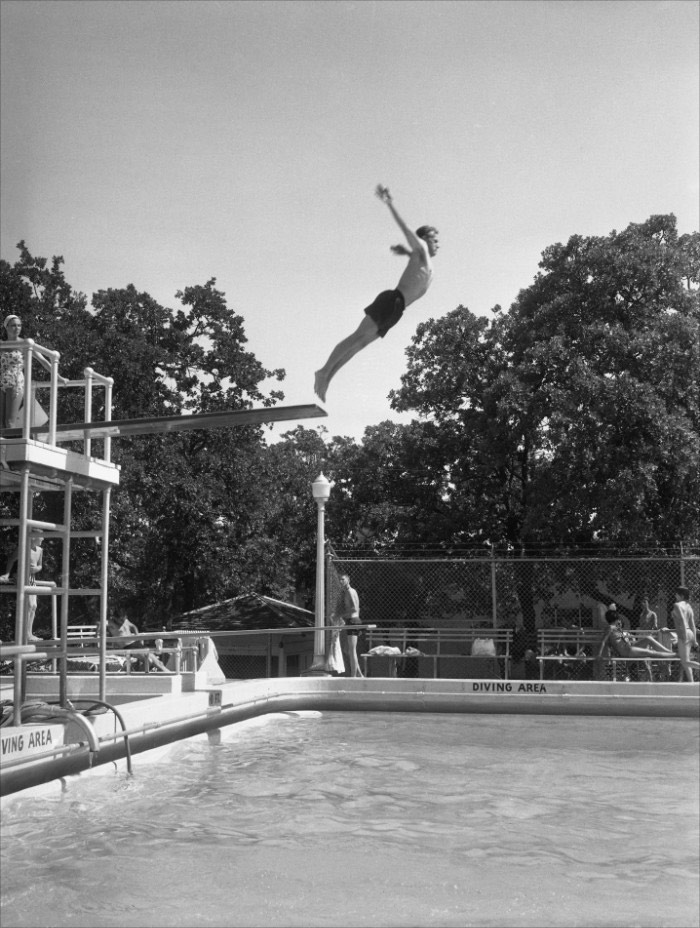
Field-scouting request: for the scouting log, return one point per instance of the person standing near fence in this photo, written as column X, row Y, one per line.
column 648, row 619
column 348, row 610
column 684, row 622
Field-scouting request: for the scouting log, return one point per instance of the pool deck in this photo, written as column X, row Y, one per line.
column 47, row 749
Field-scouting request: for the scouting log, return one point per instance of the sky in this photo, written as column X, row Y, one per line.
column 162, row 144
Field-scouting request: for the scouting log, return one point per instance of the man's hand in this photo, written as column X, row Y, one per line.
column 383, row 193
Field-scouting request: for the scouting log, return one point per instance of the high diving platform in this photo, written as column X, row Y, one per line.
column 39, row 447
column 124, row 428
column 39, row 454
column 35, row 444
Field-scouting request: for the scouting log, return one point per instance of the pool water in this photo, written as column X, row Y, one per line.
column 371, row 819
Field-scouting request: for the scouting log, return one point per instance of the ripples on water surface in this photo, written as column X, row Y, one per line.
column 349, row 819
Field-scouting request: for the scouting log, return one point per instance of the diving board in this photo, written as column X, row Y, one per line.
column 124, row 428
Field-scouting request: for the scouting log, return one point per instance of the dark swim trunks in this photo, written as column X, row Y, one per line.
column 386, row 310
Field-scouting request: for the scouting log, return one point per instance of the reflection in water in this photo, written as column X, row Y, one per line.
column 349, row 819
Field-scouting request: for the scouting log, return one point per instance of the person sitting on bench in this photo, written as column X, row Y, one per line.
column 623, row 644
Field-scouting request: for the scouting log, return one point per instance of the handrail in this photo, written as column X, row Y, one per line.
column 53, row 650
column 48, row 358
column 204, row 633
column 13, row 650
column 422, row 637
column 54, row 712
column 74, row 747
column 164, row 723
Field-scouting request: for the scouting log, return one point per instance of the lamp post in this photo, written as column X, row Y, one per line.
column 321, row 489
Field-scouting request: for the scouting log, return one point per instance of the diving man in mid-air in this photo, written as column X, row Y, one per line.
column 388, row 307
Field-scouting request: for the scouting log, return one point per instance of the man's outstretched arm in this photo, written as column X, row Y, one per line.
column 411, row 237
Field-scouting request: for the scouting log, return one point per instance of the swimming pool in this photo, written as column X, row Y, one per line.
column 371, row 819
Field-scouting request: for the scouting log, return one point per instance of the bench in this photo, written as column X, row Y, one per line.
column 568, row 650
column 437, row 653
column 85, row 637
column 80, row 633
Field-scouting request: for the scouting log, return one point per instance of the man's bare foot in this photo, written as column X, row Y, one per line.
column 321, row 385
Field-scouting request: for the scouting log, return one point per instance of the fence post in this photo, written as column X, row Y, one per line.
column 682, row 567
column 494, row 600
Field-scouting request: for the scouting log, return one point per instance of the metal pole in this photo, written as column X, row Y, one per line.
column 65, row 586
column 25, row 503
column 53, row 397
column 28, row 407
column 104, row 595
column 87, row 450
column 494, row 604
column 107, row 445
column 321, row 490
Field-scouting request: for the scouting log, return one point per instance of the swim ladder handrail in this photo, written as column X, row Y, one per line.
column 48, row 712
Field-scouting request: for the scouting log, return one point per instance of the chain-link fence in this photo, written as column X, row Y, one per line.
column 525, row 595
column 502, row 592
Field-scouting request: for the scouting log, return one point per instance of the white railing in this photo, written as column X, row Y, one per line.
column 32, row 414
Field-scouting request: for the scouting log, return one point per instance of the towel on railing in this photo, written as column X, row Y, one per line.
column 384, row 650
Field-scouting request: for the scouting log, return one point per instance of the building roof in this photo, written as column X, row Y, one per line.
column 251, row 610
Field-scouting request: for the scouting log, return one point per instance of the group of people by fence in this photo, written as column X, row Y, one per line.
column 649, row 648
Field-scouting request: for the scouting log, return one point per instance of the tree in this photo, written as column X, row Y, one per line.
column 168, row 552
column 390, row 489
column 573, row 419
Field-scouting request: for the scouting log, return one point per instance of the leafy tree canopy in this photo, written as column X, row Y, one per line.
column 573, row 418
column 569, row 421
column 187, row 519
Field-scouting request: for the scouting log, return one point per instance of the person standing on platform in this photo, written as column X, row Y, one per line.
column 36, row 562
column 648, row 619
column 11, row 375
column 12, row 381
